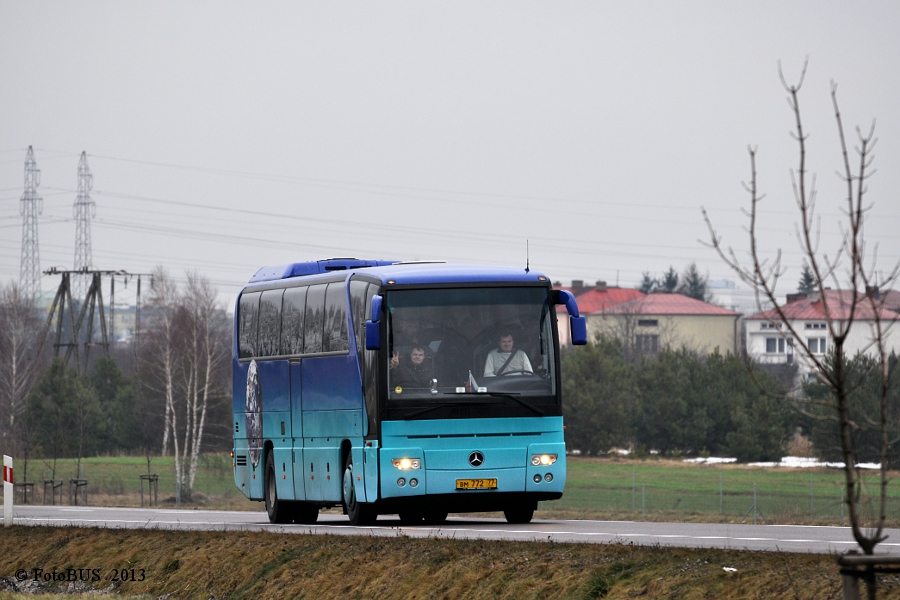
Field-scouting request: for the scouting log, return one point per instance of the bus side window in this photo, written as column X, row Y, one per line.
column 270, row 323
column 358, row 307
column 247, row 325
column 315, row 319
column 335, row 319
column 292, row 313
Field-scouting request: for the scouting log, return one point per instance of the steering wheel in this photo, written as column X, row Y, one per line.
column 519, row 372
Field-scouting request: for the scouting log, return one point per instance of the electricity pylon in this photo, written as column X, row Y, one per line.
column 85, row 209
column 30, row 206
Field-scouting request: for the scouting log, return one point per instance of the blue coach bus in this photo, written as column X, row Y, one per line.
column 386, row 387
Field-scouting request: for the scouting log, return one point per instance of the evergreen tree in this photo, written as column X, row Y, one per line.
column 694, row 284
column 669, row 282
column 807, row 283
column 648, row 283
column 600, row 394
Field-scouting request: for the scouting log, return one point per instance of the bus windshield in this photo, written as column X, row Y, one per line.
column 458, row 345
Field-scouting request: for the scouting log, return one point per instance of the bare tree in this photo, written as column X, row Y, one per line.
column 206, row 353
column 185, row 355
column 850, row 266
column 639, row 335
column 21, row 357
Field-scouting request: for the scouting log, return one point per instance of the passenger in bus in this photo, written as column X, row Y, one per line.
column 506, row 359
column 413, row 372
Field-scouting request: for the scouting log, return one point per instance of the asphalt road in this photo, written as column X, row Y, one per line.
column 780, row 538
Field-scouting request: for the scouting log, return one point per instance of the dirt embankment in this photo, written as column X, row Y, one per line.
column 160, row 564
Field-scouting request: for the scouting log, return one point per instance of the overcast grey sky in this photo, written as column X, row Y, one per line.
column 224, row 136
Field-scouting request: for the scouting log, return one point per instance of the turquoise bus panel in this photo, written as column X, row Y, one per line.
column 332, row 424
column 557, row 470
column 284, row 472
column 548, row 428
column 371, row 461
column 359, row 481
column 322, row 464
column 241, row 470
column 331, row 383
column 276, row 426
column 502, row 457
column 505, row 445
column 299, row 477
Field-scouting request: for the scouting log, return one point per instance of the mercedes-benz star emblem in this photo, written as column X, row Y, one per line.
column 476, row 459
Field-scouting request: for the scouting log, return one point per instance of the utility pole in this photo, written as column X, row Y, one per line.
column 84, row 210
column 30, row 206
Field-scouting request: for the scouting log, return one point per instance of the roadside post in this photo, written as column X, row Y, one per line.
column 7, row 491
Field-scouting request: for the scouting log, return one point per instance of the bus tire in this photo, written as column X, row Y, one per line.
column 518, row 515
column 305, row 513
column 278, row 511
column 411, row 517
column 435, row 517
column 360, row 513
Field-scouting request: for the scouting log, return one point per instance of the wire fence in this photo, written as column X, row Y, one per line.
column 707, row 494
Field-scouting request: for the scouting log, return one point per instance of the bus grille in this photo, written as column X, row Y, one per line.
column 240, row 460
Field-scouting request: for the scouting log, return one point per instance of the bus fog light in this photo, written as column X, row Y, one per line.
column 548, row 477
column 413, row 482
column 537, row 478
column 401, row 482
column 543, row 459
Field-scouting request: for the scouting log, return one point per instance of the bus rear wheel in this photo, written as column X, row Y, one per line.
column 518, row 515
column 278, row 511
column 360, row 513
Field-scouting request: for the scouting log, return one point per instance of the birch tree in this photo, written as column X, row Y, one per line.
column 206, row 355
column 186, row 354
column 22, row 358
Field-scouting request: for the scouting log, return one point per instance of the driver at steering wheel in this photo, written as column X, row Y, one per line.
column 506, row 359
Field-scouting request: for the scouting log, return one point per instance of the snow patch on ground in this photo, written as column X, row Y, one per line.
column 793, row 462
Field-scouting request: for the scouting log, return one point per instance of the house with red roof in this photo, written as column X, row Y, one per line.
column 649, row 323
column 591, row 299
column 770, row 341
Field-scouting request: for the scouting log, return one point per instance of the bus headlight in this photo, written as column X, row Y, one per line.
column 404, row 464
column 543, row 459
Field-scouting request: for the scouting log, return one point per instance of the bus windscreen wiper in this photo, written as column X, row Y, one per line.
column 515, row 396
column 510, row 395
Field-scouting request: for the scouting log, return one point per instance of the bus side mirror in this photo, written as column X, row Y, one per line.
column 577, row 323
column 579, row 330
column 373, row 326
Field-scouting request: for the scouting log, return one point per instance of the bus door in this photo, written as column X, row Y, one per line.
column 276, row 422
column 297, row 429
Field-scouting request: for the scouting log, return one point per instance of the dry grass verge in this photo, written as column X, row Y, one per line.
column 266, row 565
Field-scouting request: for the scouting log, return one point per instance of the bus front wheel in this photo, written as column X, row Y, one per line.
column 518, row 515
column 360, row 513
column 278, row 511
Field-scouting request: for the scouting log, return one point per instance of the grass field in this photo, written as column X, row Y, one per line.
column 595, row 488
column 217, row 565
column 612, row 488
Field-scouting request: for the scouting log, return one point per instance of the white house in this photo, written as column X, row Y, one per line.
column 770, row 341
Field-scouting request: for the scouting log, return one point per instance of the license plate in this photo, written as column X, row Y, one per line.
column 476, row 484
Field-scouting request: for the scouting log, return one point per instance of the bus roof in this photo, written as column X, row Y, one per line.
column 401, row 272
